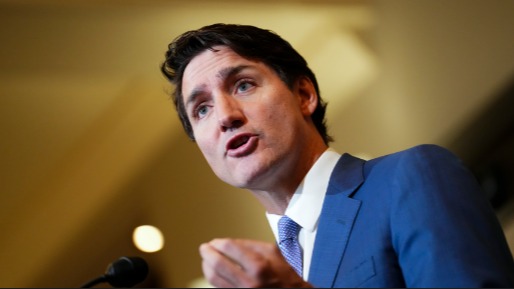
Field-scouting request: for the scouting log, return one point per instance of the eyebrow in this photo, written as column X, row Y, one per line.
column 230, row 71
column 197, row 91
column 222, row 74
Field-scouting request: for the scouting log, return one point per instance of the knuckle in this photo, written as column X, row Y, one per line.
column 261, row 268
column 217, row 262
column 252, row 284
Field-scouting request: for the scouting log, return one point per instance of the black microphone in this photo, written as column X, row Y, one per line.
column 122, row 273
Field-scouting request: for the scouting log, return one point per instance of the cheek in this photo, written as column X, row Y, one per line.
column 208, row 145
column 278, row 115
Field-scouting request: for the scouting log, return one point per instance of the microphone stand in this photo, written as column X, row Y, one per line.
column 122, row 273
column 94, row 282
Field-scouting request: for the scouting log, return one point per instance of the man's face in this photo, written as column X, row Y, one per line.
column 246, row 121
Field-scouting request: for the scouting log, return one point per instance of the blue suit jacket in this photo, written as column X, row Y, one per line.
column 416, row 218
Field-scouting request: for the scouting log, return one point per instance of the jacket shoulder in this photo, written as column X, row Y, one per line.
column 424, row 154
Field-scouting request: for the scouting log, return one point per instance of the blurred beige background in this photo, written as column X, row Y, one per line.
column 91, row 147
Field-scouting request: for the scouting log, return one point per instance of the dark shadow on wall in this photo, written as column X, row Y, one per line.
column 486, row 146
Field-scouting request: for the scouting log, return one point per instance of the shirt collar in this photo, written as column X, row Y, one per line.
column 306, row 204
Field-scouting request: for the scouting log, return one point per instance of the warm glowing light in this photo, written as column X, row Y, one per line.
column 148, row 238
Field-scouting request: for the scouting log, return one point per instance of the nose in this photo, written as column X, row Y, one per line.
column 229, row 113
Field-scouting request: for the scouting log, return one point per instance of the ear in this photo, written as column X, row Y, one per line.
column 307, row 96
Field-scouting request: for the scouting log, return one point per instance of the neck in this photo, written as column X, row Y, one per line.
column 279, row 191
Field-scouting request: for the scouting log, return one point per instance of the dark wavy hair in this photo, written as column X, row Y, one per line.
column 249, row 42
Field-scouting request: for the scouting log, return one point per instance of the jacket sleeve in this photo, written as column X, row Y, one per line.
column 443, row 228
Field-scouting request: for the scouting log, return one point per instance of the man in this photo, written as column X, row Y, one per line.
column 416, row 218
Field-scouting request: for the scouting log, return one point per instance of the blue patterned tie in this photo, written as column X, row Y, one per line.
column 288, row 243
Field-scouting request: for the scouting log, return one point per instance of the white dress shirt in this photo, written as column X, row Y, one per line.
column 306, row 204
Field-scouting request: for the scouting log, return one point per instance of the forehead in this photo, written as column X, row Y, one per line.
column 212, row 67
column 210, row 62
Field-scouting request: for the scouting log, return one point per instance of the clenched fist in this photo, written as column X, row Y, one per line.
column 247, row 263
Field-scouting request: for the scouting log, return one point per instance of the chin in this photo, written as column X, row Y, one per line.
column 250, row 174
column 246, row 181
column 238, row 183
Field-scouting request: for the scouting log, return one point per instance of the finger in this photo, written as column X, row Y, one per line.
column 213, row 278
column 216, row 267
column 220, row 267
column 258, row 267
column 239, row 248
column 246, row 251
column 262, row 262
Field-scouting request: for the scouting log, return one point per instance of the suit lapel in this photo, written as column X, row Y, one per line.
column 336, row 220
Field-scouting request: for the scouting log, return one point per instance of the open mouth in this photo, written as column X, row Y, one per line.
column 238, row 142
column 241, row 145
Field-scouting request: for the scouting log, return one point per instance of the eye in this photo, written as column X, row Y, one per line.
column 201, row 111
column 244, row 86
